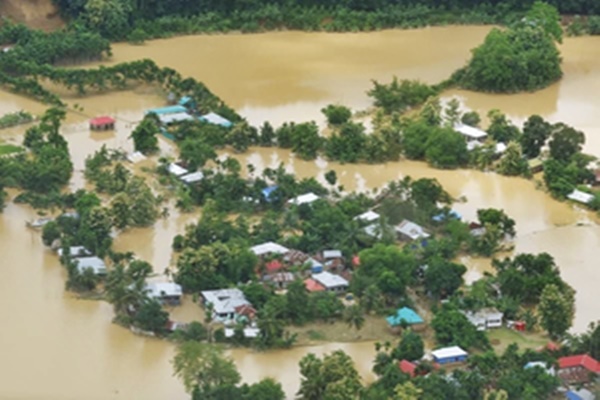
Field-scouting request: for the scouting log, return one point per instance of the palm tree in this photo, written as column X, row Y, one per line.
column 354, row 317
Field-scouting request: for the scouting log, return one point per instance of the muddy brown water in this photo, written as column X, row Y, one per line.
column 55, row 346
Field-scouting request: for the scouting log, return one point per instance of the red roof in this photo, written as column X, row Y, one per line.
column 356, row 261
column 581, row 360
column 104, row 120
column 273, row 266
column 407, row 367
column 551, row 346
column 313, row 286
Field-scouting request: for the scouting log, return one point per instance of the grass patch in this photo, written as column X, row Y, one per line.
column 501, row 338
column 315, row 335
column 9, row 149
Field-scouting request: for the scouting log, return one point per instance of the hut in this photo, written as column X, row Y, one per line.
column 406, row 316
column 103, row 123
column 448, row 355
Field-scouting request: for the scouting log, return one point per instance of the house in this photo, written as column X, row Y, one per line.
column 406, row 316
column 535, row 165
column 580, row 197
column 187, row 102
column 269, row 248
column 369, row 216
column 167, row 110
column 224, row 302
column 581, row 394
column 280, row 279
column 249, row 332
column 578, row 368
column 334, row 260
column 168, row 119
column 135, row 157
column 216, row 119
column 313, row 286
column 245, row 312
column 485, row 318
column 331, row 282
column 177, row 170
column 165, row 292
column 476, row 229
column 448, row 355
column 540, row 364
column 446, row 215
column 407, row 367
column 75, row 252
column 192, row 177
column 411, row 231
column 471, row 133
column 331, row 254
column 104, row 123
column 315, row 266
column 267, row 192
column 94, row 263
column 303, row 199
column 295, row 257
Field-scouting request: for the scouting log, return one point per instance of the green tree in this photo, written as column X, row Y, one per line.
column 452, row 112
column 144, row 135
column 151, row 317
column 337, row 114
column 196, row 152
column 203, row 367
column 471, row 118
column 442, row 277
column 410, row 347
column 536, row 132
column 512, row 162
column 400, row 95
column 501, row 129
column 353, row 315
column 407, row 391
column 565, row 142
column 332, row 378
column 109, row 17
column 446, row 148
column 266, row 389
column 453, row 328
column 547, row 16
column 415, row 137
column 297, row 301
column 556, row 309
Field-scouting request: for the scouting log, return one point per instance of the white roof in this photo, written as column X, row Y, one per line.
column 501, row 148
column 75, row 251
column 582, row 197
column 332, row 254
column 135, row 157
column 177, row 170
column 447, row 352
column 329, row 280
column 269, row 247
column 584, row 394
column 158, row 290
column 176, row 117
column 304, row 199
column 193, row 177
column 216, row 119
column 367, row 216
column 248, row 332
column 411, row 230
column 225, row 300
column 373, row 230
column 94, row 263
column 469, row 131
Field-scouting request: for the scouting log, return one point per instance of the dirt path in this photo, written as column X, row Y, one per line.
column 37, row 14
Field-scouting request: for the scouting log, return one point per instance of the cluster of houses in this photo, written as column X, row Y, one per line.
column 83, row 259
column 475, row 137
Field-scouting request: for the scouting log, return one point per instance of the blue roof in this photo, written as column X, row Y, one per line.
column 442, row 216
column 184, row 100
column 404, row 314
column 216, row 119
column 268, row 191
column 167, row 110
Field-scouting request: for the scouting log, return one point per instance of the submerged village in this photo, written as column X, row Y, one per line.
column 277, row 261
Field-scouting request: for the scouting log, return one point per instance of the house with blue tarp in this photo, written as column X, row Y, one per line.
column 167, row 110
column 406, row 316
column 581, row 394
column 446, row 215
column 268, row 191
column 187, row 102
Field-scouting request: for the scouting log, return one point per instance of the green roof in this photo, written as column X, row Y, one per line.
column 408, row 315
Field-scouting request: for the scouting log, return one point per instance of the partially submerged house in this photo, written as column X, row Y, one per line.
column 95, row 264
column 449, row 355
column 165, row 292
column 216, row 119
column 408, row 230
column 331, row 282
column 177, row 170
column 580, row 197
column 486, row 318
column 269, row 248
column 471, row 133
column 103, row 123
column 224, row 303
column 192, row 177
column 74, row 252
column 307, row 198
column 169, row 119
column 404, row 316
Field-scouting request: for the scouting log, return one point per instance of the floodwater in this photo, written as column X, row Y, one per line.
column 55, row 346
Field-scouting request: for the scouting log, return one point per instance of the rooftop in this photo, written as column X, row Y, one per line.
column 96, row 264
column 447, row 352
column 368, row 216
column 329, row 280
column 269, row 248
column 177, row 170
column 161, row 289
column 216, row 119
column 407, row 367
column 581, row 360
column 313, row 286
column 327, row 254
column 167, row 110
column 225, row 301
column 103, row 120
column 75, row 251
column 175, row 117
column 408, row 315
column 469, row 131
column 581, row 197
column 192, row 177
column 411, row 230
column 304, row 199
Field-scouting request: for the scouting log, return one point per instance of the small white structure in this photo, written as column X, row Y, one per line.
column 177, row 170
column 304, row 199
column 164, row 292
column 486, row 318
column 249, row 332
column 168, row 119
column 216, row 119
column 449, row 355
column 368, row 216
column 331, row 254
column 269, row 248
column 470, row 133
column 410, row 230
column 192, row 178
column 500, row 148
column 94, row 263
column 581, row 197
column 331, row 282
column 549, row 369
column 75, row 252
column 135, row 157
column 224, row 302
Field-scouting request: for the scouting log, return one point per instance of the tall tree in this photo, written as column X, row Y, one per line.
column 144, row 135
column 536, row 132
column 332, row 378
column 556, row 309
